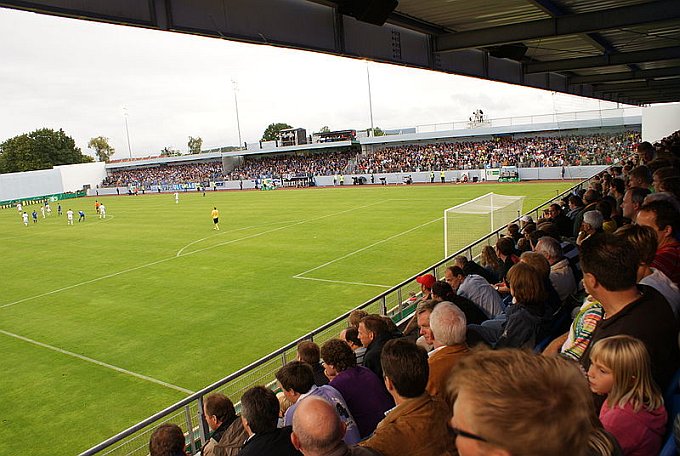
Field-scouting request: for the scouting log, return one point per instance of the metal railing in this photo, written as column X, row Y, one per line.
column 558, row 117
column 188, row 413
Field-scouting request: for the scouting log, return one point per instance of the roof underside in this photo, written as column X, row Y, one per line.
column 620, row 50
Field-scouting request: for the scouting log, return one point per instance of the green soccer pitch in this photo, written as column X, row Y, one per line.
column 107, row 321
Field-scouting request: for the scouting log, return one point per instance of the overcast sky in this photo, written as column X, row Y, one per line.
column 81, row 76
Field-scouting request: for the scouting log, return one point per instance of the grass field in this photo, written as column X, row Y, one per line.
column 106, row 322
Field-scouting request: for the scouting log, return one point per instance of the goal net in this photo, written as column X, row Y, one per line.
column 468, row 222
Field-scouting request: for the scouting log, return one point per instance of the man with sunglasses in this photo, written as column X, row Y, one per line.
column 513, row 402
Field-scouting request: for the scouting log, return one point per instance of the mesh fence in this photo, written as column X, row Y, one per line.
column 466, row 223
column 187, row 413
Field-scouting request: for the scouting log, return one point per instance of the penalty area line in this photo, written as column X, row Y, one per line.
column 344, row 282
column 98, row 363
column 299, row 276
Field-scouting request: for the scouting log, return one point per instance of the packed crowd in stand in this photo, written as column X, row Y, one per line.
column 321, row 164
column 165, row 175
column 560, row 339
column 504, row 151
column 525, row 152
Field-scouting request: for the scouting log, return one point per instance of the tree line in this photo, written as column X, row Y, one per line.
column 45, row 148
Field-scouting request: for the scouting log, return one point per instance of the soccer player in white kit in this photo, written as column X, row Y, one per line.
column 42, row 210
column 176, row 198
column 24, row 216
column 102, row 211
column 19, row 208
column 69, row 217
column 48, row 208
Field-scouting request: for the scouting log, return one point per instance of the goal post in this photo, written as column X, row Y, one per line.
column 469, row 221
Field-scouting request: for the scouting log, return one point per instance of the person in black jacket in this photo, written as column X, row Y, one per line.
column 373, row 333
column 260, row 414
column 308, row 352
column 470, row 267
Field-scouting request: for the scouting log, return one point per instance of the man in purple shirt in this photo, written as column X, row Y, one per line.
column 296, row 380
column 364, row 393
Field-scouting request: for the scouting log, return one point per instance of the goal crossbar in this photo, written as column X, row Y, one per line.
column 500, row 209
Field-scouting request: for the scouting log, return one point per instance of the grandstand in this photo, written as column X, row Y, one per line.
column 320, row 166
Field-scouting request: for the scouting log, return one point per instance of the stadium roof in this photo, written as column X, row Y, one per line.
column 620, row 50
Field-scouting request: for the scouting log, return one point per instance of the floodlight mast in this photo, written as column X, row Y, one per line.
column 238, row 122
column 127, row 130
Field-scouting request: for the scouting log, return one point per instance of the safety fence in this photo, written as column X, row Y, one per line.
column 188, row 413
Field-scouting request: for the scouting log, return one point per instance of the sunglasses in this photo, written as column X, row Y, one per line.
column 468, row 435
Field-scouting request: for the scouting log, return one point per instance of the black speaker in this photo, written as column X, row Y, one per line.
column 515, row 51
column 371, row 11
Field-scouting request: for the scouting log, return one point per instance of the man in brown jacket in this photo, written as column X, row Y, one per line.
column 228, row 433
column 449, row 329
column 417, row 426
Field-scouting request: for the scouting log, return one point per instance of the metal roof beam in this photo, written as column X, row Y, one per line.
column 571, row 24
column 619, row 58
column 625, row 76
column 626, row 86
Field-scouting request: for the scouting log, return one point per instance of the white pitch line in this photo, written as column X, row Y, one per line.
column 179, row 252
column 277, row 229
column 153, row 263
column 99, row 363
column 342, row 281
column 299, row 276
column 96, row 279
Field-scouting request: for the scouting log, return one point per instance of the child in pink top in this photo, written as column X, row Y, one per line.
column 633, row 411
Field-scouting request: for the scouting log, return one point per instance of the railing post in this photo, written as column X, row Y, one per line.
column 401, row 302
column 190, row 428
column 384, row 305
column 202, row 425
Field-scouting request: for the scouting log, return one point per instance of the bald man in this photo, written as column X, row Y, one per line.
column 317, row 430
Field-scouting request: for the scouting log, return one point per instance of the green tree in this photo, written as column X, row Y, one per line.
column 101, row 147
column 195, row 145
column 325, row 129
column 39, row 149
column 272, row 131
column 377, row 131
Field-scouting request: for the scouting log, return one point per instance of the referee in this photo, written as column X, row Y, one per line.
column 215, row 214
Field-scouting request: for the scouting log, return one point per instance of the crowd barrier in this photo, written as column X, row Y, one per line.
column 188, row 413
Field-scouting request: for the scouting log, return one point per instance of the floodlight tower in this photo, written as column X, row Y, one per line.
column 238, row 122
column 370, row 98
column 127, row 130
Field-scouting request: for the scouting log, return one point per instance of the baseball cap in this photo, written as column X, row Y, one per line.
column 427, row 280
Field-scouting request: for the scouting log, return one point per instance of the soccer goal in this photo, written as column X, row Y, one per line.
column 472, row 220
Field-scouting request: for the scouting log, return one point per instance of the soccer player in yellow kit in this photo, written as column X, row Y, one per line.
column 215, row 214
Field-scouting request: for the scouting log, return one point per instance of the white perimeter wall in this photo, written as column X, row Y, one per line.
column 28, row 184
column 659, row 121
column 67, row 178
column 74, row 177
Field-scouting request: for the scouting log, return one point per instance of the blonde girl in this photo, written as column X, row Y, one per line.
column 633, row 411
